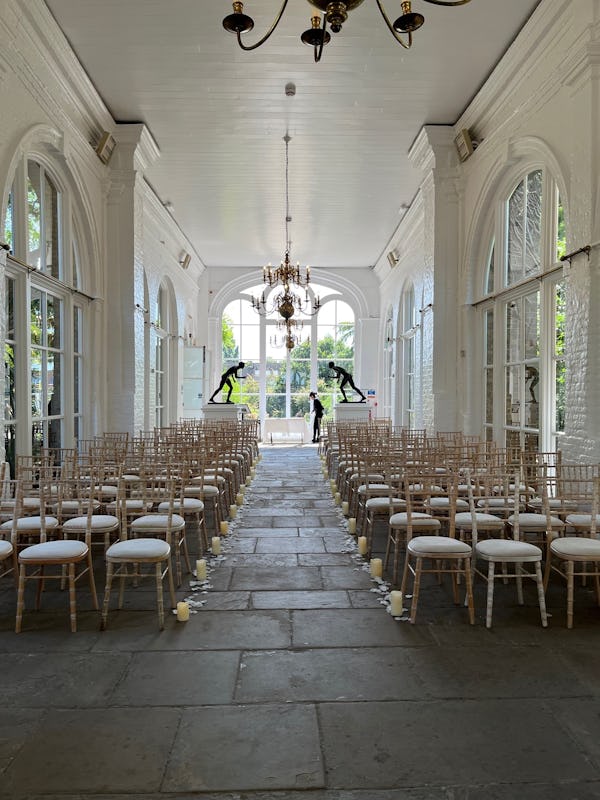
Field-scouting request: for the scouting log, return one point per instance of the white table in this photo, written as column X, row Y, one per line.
column 285, row 429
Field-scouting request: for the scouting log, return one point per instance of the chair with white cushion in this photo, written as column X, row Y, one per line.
column 578, row 555
column 151, row 545
column 511, row 551
column 35, row 560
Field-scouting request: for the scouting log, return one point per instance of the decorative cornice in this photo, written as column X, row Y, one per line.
column 136, row 149
column 434, row 148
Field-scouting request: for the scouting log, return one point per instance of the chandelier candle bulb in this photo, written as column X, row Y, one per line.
column 362, row 545
column 345, row 507
column 233, row 511
column 216, row 545
column 352, row 525
column 201, row 569
column 376, row 568
column 183, row 612
column 224, row 528
column 396, row 603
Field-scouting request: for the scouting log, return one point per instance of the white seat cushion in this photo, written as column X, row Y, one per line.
column 438, row 546
column 508, row 550
column 536, row 522
column 190, row 504
column 383, row 503
column 157, row 522
column 582, row 520
column 201, row 491
column 484, row 522
column 30, row 524
column 418, row 520
column 138, row 548
column 576, row 547
column 5, row 549
column 62, row 550
column 99, row 522
column 496, row 502
column 442, row 503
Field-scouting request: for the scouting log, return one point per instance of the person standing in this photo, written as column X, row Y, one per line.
column 318, row 411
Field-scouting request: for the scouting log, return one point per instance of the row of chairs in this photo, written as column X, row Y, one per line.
column 491, row 505
column 63, row 504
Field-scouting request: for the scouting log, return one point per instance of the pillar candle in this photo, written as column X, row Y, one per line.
column 352, row 525
column 224, row 528
column 337, row 498
column 233, row 511
column 376, row 568
column 396, row 603
column 183, row 612
column 362, row 545
column 345, row 508
column 248, row 480
column 243, row 489
column 201, row 569
column 332, row 485
column 216, row 545
column 239, row 499
column 252, row 471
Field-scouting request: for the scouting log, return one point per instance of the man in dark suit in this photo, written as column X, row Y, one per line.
column 318, row 412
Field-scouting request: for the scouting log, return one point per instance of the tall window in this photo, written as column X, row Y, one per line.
column 44, row 354
column 523, row 321
column 409, row 360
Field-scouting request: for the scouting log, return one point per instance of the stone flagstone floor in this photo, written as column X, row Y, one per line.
column 292, row 681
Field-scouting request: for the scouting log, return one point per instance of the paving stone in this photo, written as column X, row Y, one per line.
column 354, row 628
column 337, row 599
column 397, row 744
column 324, row 560
column 60, row 679
column 94, row 750
column 262, row 530
column 263, row 747
column 263, row 559
column 364, row 599
column 296, row 544
column 207, row 630
column 227, row 601
column 574, row 790
column 257, row 578
column 178, row 679
column 331, row 531
column 316, row 676
column 344, row 577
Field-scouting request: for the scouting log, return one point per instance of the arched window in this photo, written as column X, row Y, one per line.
column 278, row 380
column 523, row 318
column 45, row 311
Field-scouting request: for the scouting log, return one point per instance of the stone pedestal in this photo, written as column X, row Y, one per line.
column 217, row 412
column 351, row 412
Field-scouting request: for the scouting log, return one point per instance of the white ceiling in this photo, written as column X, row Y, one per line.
column 219, row 114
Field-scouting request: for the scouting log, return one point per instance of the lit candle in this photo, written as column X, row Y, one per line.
column 352, row 525
column 362, row 545
column 183, row 612
column 332, row 484
column 224, row 528
column 248, row 480
column 345, row 508
column 243, row 489
column 201, row 569
column 337, row 498
column 396, row 603
column 233, row 511
column 252, row 471
column 216, row 545
column 239, row 498
column 376, row 568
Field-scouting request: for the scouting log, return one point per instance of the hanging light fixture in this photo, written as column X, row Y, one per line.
column 335, row 14
column 286, row 302
column 291, row 336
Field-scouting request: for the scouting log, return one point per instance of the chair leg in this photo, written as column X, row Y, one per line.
column 469, row 584
column 159, row 594
column 404, row 573
column 20, row 598
column 519, row 582
column 107, row 588
column 416, row 588
column 40, row 589
column 490, row 595
column 92, row 580
column 72, row 598
column 541, row 595
column 171, row 585
column 570, row 582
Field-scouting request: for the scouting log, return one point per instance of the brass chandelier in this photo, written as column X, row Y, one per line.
column 335, row 14
column 287, row 302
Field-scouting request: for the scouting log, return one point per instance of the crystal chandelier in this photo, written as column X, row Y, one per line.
column 287, row 302
column 335, row 14
column 291, row 334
